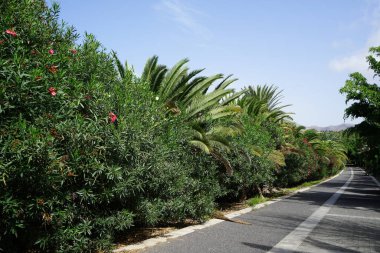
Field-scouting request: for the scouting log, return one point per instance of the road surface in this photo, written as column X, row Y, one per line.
column 341, row 215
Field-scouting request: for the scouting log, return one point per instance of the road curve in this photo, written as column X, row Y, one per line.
column 341, row 215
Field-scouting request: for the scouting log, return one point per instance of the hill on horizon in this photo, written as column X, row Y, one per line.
column 334, row 128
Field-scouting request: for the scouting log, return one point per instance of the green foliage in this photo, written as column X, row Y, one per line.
column 355, row 147
column 263, row 103
column 71, row 179
column 88, row 149
column 365, row 98
column 186, row 94
column 310, row 155
column 300, row 165
column 56, row 160
column 249, row 158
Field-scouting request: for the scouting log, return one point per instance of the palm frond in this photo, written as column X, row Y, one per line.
column 201, row 145
column 119, row 65
column 277, row 157
column 198, row 88
column 224, row 161
column 181, row 87
column 149, row 69
column 172, row 77
column 203, row 103
column 157, row 76
column 225, row 83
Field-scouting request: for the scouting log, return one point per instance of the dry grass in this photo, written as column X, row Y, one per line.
column 227, row 208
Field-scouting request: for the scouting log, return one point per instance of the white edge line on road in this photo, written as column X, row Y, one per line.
column 373, row 179
column 187, row 230
column 376, row 182
column 293, row 240
column 352, row 216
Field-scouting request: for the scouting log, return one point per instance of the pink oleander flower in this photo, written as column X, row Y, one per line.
column 11, row 32
column 53, row 91
column 73, row 51
column 112, row 117
column 53, row 69
column 51, row 51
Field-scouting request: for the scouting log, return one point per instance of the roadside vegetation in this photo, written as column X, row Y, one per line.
column 280, row 192
column 363, row 140
column 90, row 150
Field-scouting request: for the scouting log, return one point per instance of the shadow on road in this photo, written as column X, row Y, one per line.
column 362, row 192
column 257, row 246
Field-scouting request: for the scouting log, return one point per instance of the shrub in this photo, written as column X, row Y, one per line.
column 249, row 158
column 85, row 155
column 72, row 177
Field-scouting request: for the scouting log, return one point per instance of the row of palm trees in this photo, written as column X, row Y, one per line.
column 213, row 110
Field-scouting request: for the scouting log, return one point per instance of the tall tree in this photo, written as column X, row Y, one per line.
column 365, row 99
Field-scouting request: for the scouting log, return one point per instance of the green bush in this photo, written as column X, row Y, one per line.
column 301, row 166
column 71, row 178
column 249, row 158
column 54, row 156
column 86, row 155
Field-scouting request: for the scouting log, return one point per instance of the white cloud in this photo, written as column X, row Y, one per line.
column 357, row 61
column 186, row 17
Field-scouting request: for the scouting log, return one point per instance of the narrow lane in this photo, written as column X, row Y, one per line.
column 293, row 240
column 351, row 223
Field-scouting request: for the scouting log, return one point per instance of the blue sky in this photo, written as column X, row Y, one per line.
column 306, row 48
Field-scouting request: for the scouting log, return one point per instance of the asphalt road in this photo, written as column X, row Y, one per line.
column 341, row 215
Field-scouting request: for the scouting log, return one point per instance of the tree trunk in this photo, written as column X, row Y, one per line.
column 258, row 188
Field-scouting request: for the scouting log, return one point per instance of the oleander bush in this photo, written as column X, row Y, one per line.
column 88, row 150
column 299, row 168
column 59, row 186
column 84, row 156
column 249, row 158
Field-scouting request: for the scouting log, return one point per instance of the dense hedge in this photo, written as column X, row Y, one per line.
column 85, row 156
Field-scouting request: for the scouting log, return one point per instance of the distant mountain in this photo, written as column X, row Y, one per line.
column 331, row 128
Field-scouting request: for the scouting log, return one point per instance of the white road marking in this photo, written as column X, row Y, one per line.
column 376, row 182
column 361, row 208
column 294, row 239
column 353, row 216
column 373, row 179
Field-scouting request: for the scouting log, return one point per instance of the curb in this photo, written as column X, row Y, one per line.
column 187, row 230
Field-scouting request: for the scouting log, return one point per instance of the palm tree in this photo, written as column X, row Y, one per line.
column 263, row 103
column 331, row 152
column 184, row 92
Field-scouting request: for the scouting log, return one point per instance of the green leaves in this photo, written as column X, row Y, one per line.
column 364, row 99
column 185, row 93
column 262, row 103
column 70, row 181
